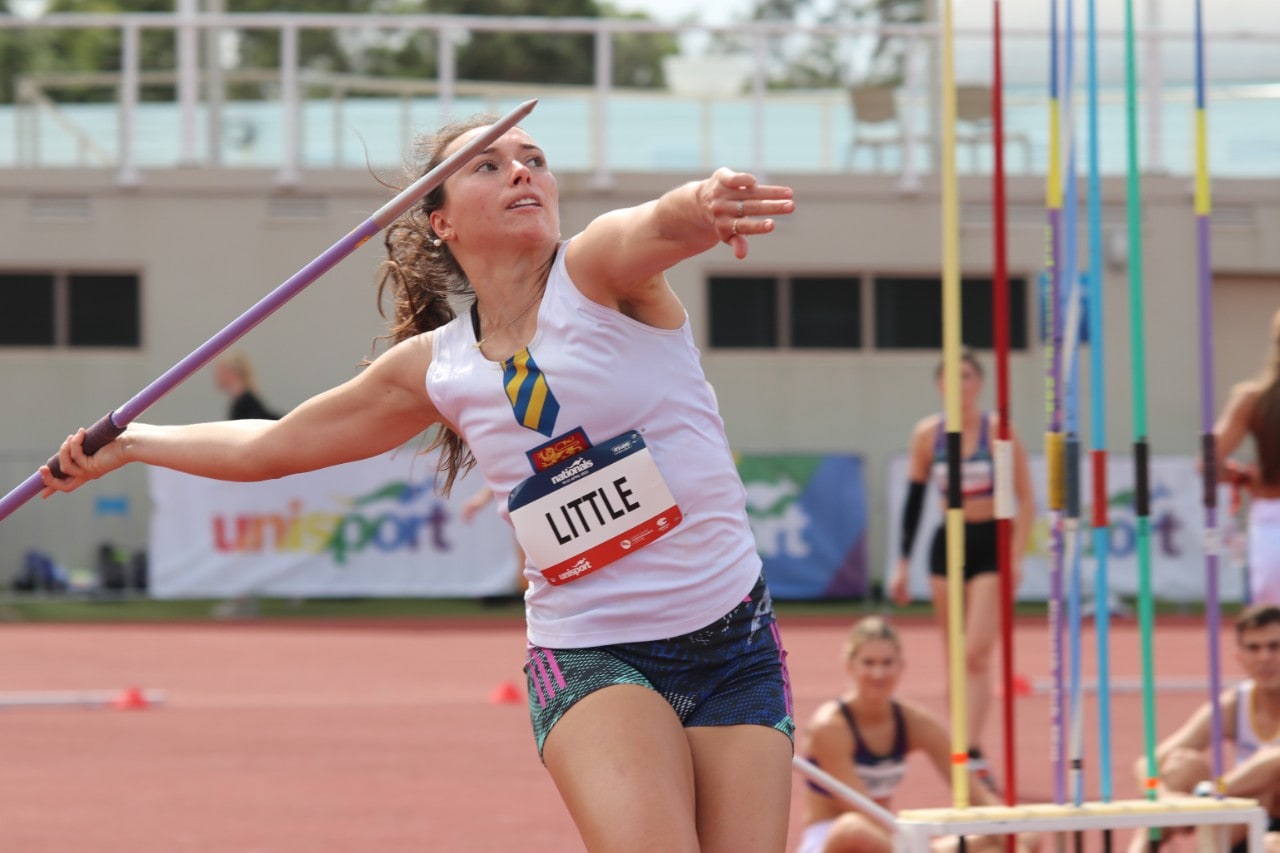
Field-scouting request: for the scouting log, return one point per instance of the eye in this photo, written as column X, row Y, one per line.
column 486, row 166
column 537, row 161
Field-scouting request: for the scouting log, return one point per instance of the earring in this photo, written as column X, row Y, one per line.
column 436, row 242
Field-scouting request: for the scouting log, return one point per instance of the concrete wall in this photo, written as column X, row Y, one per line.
column 210, row 243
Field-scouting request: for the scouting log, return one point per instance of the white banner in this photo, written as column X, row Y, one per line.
column 1177, row 538
column 370, row 528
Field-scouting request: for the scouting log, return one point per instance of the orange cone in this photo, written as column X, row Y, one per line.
column 505, row 693
column 131, row 699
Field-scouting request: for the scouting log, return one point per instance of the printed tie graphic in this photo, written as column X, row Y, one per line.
column 531, row 399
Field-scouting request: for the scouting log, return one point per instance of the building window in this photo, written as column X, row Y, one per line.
column 908, row 312
column 772, row 312
column 26, row 309
column 826, row 312
column 744, row 311
column 70, row 309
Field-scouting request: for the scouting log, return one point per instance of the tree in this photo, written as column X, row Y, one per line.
column 552, row 58
column 822, row 61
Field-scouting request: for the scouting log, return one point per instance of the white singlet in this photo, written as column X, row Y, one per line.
column 1247, row 739
column 609, row 374
column 1264, row 551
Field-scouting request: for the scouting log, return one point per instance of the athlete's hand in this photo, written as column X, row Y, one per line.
column 79, row 468
column 898, row 593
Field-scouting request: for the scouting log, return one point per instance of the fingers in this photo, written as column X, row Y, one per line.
column 71, row 465
column 742, row 207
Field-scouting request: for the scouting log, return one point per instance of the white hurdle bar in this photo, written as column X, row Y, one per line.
column 128, row 697
column 873, row 809
column 916, row 827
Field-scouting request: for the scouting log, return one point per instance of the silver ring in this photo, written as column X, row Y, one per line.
column 734, row 231
column 742, row 208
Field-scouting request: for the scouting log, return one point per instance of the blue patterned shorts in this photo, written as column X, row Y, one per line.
column 732, row 672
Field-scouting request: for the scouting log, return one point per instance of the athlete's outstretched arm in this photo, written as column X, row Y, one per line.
column 380, row 409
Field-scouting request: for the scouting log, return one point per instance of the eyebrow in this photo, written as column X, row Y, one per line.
column 524, row 146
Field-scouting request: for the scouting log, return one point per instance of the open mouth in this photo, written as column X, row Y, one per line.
column 524, row 202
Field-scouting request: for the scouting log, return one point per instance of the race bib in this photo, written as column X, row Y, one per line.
column 581, row 515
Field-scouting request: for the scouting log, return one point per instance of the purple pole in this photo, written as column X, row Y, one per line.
column 112, row 424
column 1209, row 462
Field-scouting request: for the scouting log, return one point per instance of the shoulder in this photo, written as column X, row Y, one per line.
column 1243, row 394
column 405, row 363
column 921, row 724
column 828, row 724
column 926, row 428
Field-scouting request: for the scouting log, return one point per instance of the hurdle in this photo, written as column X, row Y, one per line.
column 130, row 698
column 917, row 827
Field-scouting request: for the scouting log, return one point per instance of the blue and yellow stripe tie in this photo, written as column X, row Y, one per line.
column 532, row 402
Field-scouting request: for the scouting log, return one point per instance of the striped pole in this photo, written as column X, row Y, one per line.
column 954, row 426
column 1068, row 378
column 1098, row 424
column 1005, row 499
column 1209, row 459
column 1053, row 434
column 1137, row 352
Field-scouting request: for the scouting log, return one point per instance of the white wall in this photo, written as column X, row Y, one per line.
column 209, row 247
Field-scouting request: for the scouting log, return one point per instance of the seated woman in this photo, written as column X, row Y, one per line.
column 863, row 739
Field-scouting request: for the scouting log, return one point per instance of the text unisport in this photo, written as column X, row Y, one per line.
column 590, row 499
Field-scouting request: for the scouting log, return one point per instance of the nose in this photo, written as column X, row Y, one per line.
column 520, row 172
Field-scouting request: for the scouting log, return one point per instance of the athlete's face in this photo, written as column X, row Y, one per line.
column 970, row 384
column 506, row 192
column 876, row 667
column 1258, row 652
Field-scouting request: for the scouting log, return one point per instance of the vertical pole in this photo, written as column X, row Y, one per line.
column 289, row 105
column 188, row 81
column 1209, row 459
column 954, row 425
column 129, row 73
column 1006, row 499
column 1137, row 350
column 1053, row 436
column 1098, row 423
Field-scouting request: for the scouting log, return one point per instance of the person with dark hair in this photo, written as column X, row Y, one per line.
column 1250, row 719
column 566, row 372
column 1253, row 409
column 928, row 461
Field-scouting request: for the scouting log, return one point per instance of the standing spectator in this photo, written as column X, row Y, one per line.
column 234, row 376
column 928, row 460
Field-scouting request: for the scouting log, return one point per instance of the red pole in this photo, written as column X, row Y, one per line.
column 1000, row 317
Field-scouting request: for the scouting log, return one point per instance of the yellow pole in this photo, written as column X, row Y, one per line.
column 954, row 425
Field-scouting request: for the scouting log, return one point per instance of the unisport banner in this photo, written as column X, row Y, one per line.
column 370, row 528
column 809, row 516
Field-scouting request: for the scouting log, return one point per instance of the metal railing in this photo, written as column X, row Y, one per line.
column 759, row 127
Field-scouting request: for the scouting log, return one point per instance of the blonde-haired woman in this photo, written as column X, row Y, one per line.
column 234, row 376
column 1253, row 409
column 863, row 739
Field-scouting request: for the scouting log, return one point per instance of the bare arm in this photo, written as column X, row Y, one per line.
column 927, row 734
column 1233, row 423
column 620, row 258
column 1194, row 735
column 919, row 459
column 829, row 744
column 380, row 409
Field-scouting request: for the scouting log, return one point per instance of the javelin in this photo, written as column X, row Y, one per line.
column 1209, row 459
column 112, row 424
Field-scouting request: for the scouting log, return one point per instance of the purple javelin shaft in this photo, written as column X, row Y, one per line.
column 114, row 423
